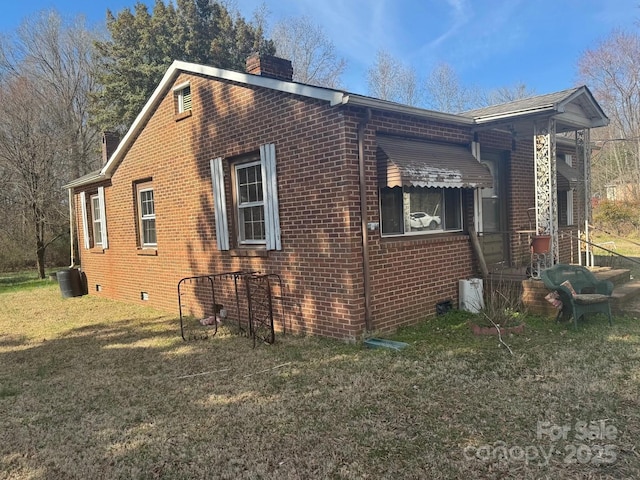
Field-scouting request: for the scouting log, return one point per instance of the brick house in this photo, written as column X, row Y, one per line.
column 364, row 207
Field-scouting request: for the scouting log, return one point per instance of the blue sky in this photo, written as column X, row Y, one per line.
column 489, row 43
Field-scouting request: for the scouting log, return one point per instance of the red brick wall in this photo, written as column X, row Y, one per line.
column 317, row 180
column 410, row 275
column 317, row 163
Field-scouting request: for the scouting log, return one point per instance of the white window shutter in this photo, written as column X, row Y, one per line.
column 220, row 204
column 85, row 225
column 103, row 217
column 270, row 189
column 570, row 207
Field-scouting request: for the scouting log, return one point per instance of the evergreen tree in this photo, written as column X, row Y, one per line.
column 143, row 44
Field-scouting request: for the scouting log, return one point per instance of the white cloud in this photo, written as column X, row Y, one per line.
column 461, row 13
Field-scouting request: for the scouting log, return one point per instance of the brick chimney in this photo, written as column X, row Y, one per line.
column 110, row 141
column 270, row 66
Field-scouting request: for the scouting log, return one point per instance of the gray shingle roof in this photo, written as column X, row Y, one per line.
column 539, row 102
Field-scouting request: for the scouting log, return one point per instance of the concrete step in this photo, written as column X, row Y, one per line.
column 626, row 298
column 617, row 276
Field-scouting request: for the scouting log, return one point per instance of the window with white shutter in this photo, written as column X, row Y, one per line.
column 255, row 201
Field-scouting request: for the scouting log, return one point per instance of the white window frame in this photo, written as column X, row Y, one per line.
column 184, row 101
column 404, row 233
column 570, row 219
column 96, row 220
column 142, row 218
column 269, row 202
column 85, row 223
column 242, row 240
column 568, row 159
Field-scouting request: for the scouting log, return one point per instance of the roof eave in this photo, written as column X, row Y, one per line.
column 544, row 109
column 369, row 102
column 600, row 119
column 334, row 97
column 88, row 179
column 141, row 119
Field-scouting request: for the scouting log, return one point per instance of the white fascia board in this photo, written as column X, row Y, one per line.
column 520, row 113
column 387, row 106
column 579, row 122
column 334, row 97
column 141, row 119
column 326, row 94
column 85, row 180
column 601, row 119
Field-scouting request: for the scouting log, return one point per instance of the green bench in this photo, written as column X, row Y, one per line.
column 579, row 290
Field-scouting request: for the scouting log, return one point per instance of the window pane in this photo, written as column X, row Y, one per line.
column 424, row 208
column 244, row 193
column 97, row 224
column 253, row 192
column 249, row 184
column 420, row 209
column 391, row 210
column 146, row 203
column 490, row 214
column 453, row 209
column 97, row 233
column 147, row 217
column 96, row 208
column 252, row 224
column 562, row 208
column 242, row 176
column 149, row 231
column 250, row 203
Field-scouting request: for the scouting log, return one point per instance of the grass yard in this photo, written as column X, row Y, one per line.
column 95, row 389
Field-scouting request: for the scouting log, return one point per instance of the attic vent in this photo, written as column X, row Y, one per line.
column 186, row 98
column 182, row 94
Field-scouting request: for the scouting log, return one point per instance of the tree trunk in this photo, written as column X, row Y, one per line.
column 40, row 250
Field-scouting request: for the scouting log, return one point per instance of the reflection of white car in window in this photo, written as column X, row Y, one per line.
column 423, row 221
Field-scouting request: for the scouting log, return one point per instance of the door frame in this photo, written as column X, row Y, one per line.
column 501, row 159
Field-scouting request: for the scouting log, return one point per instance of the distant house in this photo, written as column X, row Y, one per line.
column 365, row 208
column 623, row 190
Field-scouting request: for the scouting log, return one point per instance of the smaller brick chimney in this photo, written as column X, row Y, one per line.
column 110, row 141
column 270, row 66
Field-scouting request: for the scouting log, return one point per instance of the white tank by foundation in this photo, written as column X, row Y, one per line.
column 471, row 295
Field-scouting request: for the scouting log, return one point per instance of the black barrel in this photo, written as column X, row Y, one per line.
column 70, row 283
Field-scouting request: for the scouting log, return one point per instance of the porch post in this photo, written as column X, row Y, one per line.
column 546, row 188
column 583, row 148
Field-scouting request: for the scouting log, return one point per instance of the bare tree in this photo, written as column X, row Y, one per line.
column 58, row 57
column 507, row 94
column 312, row 54
column 32, row 158
column 390, row 79
column 445, row 92
column 441, row 90
column 46, row 77
column 612, row 71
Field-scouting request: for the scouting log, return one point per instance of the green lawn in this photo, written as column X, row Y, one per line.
column 91, row 388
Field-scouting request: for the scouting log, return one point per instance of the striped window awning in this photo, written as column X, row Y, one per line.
column 412, row 163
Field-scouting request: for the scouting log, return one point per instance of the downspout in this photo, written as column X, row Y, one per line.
column 71, row 230
column 363, row 222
